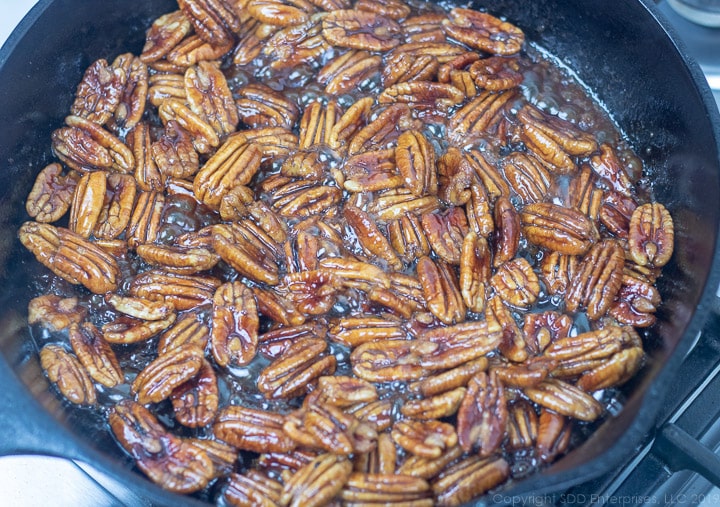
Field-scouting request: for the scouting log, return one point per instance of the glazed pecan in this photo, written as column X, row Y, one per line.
column 234, row 335
column 458, row 344
column 415, row 158
column 54, row 312
column 87, row 203
column 563, row 230
column 380, row 460
column 297, row 369
column 144, row 224
column 455, row 177
column 371, row 171
column 383, row 130
column 312, row 292
column 615, row 213
column 496, row 73
column 475, row 262
column 651, row 235
column 71, row 257
column 427, row 439
column 527, row 177
column 316, row 483
column 557, row 270
column 195, row 402
column 435, row 407
column 450, row 379
column 348, row 71
column 357, row 29
column 158, row 379
column 65, row 371
column 468, row 479
column 425, row 468
column 522, row 425
column 98, row 94
column 441, row 290
column 51, row 194
column 553, row 436
column 403, row 67
column 479, row 212
column 386, row 489
column 190, row 327
column 516, row 283
column 387, row 360
column 209, row 96
column 483, row 31
column 479, row 115
column 170, row 461
column 354, row 331
column 551, row 130
column 513, row 344
column 426, row 27
column 565, row 399
column 282, row 13
column 489, row 175
column 607, row 165
column 541, row 329
column 247, row 248
column 422, row 94
column 445, row 232
column 259, row 105
column 174, row 152
column 164, row 34
column 252, row 430
column 370, row 236
column 252, row 489
column 204, row 137
column 124, row 329
column 85, row 146
column 507, row 232
column 636, row 302
column 408, row 238
column 298, row 45
column 213, row 20
column 183, row 291
column 133, row 97
column 483, row 415
column 95, row 354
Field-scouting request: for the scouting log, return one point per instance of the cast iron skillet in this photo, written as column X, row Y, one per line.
column 620, row 49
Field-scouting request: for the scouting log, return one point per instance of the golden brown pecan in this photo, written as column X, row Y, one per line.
column 357, row 29
column 329, row 428
column 268, row 221
column 163, row 86
column 496, row 73
column 350, row 122
column 124, row 329
column 275, row 342
column 415, row 158
column 140, row 308
column 607, row 165
column 313, row 292
column 245, row 247
column 528, row 373
column 441, row 290
column 463, row 81
column 371, row 171
column 440, row 96
column 442, row 50
column 317, row 483
column 565, row 399
column 253, row 489
column 85, row 146
column 188, row 328
column 98, row 94
column 252, row 40
column 171, row 462
column 118, row 206
column 460, row 62
column 133, row 96
column 483, row 31
column 516, row 283
column 178, row 259
column 158, row 379
column 204, row 137
column 482, row 417
column 553, row 436
column 424, row 28
column 65, row 371
column 297, row 199
column 235, row 163
column 189, row 51
column 507, row 232
column 213, row 20
column 209, row 97
column 458, row 344
column 584, row 195
column 386, row 489
column 297, row 369
column 174, row 152
column 522, row 425
column 370, row 236
column 383, row 130
column 435, row 407
column 348, row 71
column 557, row 270
column 195, row 401
column 95, row 354
column 144, row 224
column 297, row 45
column 252, row 430
column 71, row 257
column 408, row 238
column 351, row 273
column 445, row 232
column 597, row 280
column 393, row 9
column 402, row 67
column 381, row 460
column 425, row 468
column 404, row 297
column 490, row 177
column 164, row 34
column 354, row 331
column 479, row 212
column 305, row 164
column 614, row 371
column 341, row 391
column 51, row 194
column 147, row 174
column 427, row 439
column 388, row 360
column 455, row 177
column 527, row 177
column 54, row 312
column 554, row 227
column 183, row 291
column 475, row 270
column 317, row 123
column 569, row 137
column 468, row 479
column 280, row 12
column 221, row 455
column 541, row 329
column 378, row 413
column 235, row 322
column 451, row 379
column 512, row 345
column 277, row 462
column 259, row 105
column 651, row 235
column 87, row 203
column 277, row 308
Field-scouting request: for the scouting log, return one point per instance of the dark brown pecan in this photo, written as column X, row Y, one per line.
column 71, row 257
column 190, row 327
column 183, row 291
column 361, row 30
column 370, row 236
column 527, row 177
column 607, row 165
column 85, row 146
column 209, row 96
column 427, row 439
column 516, row 283
column 316, row 483
column 252, row 430
column 213, row 20
column 435, row 407
column 636, row 302
column 118, row 206
column 541, row 329
column 54, row 312
column 479, row 212
column 512, row 345
column 144, row 224
column 522, row 425
column 234, row 335
column 496, row 73
column 170, row 461
column 348, row 71
column 489, row 175
column 615, row 213
column 371, row 171
column 402, row 67
column 441, row 290
column 252, row 489
column 507, row 231
column 133, row 97
column 95, row 354
column 297, row 369
column 65, row 371
column 174, row 152
column 455, row 177
column 482, row 417
column 164, row 34
column 651, row 235
column 87, row 203
column 553, row 436
column 408, row 238
column 51, row 194
column 475, row 270
column 158, row 379
column 415, row 158
column 260, row 106
column 98, row 94
column 281, row 13
column 445, row 232
column 195, row 402
column 554, row 227
column 483, row 31
column 439, row 96
column 147, row 174
column 297, row 45
column 468, row 479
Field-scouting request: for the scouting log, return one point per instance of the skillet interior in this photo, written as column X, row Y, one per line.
column 617, row 49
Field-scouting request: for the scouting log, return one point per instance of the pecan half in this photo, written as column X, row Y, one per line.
column 483, row 31
column 483, row 415
column 651, row 235
column 51, row 194
column 554, row 227
column 234, row 335
column 158, row 379
column 440, row 287
column 361, row 30
column 95, row 354
column 65, row 371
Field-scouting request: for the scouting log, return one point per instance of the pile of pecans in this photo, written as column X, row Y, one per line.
column 330, row 253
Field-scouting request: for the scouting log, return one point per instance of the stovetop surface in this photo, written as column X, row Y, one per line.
column 646, row 479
